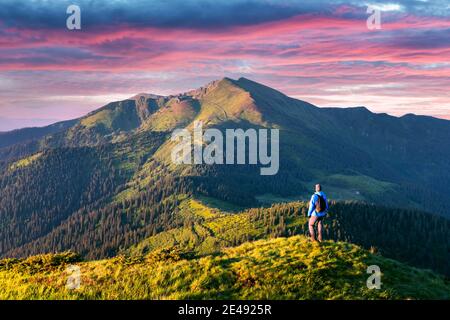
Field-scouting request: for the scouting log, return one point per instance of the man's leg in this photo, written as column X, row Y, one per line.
column 312, row 221
column 319, row 229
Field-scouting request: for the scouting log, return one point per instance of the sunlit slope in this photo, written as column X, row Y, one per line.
column 282, row 268
column 175, row 112
column 396, row 234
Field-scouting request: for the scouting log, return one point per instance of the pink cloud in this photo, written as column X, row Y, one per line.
column 314, row 54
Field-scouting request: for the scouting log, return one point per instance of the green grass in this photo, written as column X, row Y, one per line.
column 104, row 117
column 175, row 113
column 195, row 208
column 339, row 187
column 219, row 204
column 282, row 268
column 226, row 101
column 25, row 161
column 210, row 231
column 268, row 198
column 359, row 184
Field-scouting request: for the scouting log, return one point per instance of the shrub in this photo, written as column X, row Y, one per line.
column 40, row 263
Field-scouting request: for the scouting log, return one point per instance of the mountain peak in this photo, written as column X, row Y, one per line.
column 261, row 92
column 144, row 96
column 203, row 90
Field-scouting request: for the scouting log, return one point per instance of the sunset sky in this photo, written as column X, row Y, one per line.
column 320, row 51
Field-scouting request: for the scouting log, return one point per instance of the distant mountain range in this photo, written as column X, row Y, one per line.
column 104, row 182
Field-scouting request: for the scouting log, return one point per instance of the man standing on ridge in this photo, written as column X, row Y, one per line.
column 318, row 208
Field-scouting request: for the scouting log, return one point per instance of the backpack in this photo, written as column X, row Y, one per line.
column 321, row 205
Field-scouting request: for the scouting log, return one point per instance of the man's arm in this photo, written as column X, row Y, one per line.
column 312, row 205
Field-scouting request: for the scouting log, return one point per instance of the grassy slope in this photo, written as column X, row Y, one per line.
column 173, row 114
column 339, row 187
column 282, row 268
column 210, row 231
column 24, row 162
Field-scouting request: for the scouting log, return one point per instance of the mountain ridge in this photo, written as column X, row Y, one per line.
column 237, row 82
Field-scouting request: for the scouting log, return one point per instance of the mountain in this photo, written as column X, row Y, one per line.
column 357, row 154
column 22, row 142
column 105, row 182
column 20, row 135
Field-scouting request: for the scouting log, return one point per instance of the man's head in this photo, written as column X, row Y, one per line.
column 318, row 187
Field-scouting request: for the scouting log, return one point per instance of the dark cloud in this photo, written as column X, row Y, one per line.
column 427, row 39
column 416, row 39
column 192, row 13
column 173, row 13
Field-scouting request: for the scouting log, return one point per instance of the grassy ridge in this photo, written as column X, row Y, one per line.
column 396, row 234
column 282, row 268
column 206, row 230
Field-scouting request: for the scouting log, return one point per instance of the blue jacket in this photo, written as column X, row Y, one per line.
column 312, row 205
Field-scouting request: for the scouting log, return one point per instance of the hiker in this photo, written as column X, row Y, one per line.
column 318, row 207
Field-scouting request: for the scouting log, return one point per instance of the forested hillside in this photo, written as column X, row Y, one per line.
column 41, row 192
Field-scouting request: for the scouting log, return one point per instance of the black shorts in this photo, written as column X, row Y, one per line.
column 317, row 219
